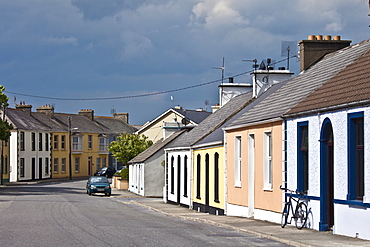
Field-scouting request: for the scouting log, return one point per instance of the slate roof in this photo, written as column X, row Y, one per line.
column 193, row 115
column 114, row 125
column 157, row 146
column 348, row 87
column 22, row 121
column 299, row 87
column 218, row 134
column 213, row 121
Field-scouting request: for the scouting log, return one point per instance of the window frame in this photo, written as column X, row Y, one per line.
column 238, row 161
column 302, row 157
column 22, row 140
column 267, row 160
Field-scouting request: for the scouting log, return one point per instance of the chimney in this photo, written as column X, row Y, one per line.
column 87, row 113
column 26, row 108
column 47, row 110
column 121, row 116
column 315, row 47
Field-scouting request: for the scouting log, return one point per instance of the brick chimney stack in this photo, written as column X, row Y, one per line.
column 47, row 110
column 315, row 47
column 87, row 113
column 26, row 108
column 121, row 116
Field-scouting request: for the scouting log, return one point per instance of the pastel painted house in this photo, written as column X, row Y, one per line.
column 328, row 143
column 255, row 149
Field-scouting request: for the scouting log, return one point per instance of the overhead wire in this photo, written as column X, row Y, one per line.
column 139, row 95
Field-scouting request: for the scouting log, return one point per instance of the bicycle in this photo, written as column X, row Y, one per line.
column 300, row 212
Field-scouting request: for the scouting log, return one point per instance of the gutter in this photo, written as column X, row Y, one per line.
column 330, row 108
column 216, row 143
column 271, row 120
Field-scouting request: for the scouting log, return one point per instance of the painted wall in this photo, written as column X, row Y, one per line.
column 267, row 201
column 344, row 214
column 185, row 198
column 155, row 132
column 220, row 203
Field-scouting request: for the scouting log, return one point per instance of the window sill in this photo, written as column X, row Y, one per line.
column 268, row 189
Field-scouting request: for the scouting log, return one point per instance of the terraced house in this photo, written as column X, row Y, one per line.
column 47, row 144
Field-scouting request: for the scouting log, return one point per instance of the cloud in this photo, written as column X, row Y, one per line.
column 61, row 41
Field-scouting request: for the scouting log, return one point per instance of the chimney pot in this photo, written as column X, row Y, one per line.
column 336, row 37
column 327, row 37
column 311, row 37
column 318, row 37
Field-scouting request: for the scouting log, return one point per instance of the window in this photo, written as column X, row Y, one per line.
column 63, row 142
column 198, row 176
column 5, row 165
column 33, row 140
column 77, row 164
column 55, row 165
column 21, row 141
column 21, row 167
column 40, row 141
column 46, row 142
column 172, row 175
column 63, row 165
column 102, row 144
column 77, row 143
column 46, row 166
column 186, row 176
column 216, row 179
column 40, row 166
column 98, row 163
column 238, row 161
column 56, row 142
column 89, row 141
column 104, row 161
column 267, row 161
column 302, row 158
column 356, row 179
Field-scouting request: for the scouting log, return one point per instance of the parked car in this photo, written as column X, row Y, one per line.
column 98, row 184
column 106, row 172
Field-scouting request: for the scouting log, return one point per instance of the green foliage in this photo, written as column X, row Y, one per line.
column 128, row 146
column 124, row 173
column 5, row 127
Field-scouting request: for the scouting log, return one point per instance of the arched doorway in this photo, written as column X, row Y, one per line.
column 326, row 176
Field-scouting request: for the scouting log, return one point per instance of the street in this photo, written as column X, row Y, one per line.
column 62, row 214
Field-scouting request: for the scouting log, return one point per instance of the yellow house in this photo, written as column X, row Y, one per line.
column 208, row 180
column 171, row 121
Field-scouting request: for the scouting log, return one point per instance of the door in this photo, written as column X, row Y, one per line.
column 89, row 165
column 326, row 177
column 207, row 184
column 251, row 175
column 178, row 182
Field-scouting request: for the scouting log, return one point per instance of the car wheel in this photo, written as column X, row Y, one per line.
column 89, row 192
column 108, row 194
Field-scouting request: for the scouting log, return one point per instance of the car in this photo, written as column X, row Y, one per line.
column 106, row 172
column 97, row 184
column 119, row 169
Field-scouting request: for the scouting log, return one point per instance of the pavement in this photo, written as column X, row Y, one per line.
column 289, row 235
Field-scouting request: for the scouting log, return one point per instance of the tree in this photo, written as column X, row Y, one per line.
column 128, row 146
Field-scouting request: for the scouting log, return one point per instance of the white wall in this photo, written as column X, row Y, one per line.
column 344, row 215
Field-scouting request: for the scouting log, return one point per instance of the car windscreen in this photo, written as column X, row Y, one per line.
column 99, row 180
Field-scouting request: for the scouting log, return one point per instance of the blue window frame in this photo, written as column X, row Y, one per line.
column 302, row 156
column 356, row 182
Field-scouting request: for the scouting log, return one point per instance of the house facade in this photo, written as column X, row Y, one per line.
column 327, row 143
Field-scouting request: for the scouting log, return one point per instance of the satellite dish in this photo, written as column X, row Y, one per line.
column 185, row 121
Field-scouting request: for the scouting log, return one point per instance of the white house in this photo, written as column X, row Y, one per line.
column 328, row 143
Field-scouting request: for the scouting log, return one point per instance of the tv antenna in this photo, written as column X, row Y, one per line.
column 288, row 47
column 206, row 103
column 113, row 110
column 222, row 69
column 173, row 103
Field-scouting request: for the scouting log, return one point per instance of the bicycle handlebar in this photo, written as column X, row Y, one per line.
column 292, row 191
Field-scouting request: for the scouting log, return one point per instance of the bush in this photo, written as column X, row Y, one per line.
column 124, row 173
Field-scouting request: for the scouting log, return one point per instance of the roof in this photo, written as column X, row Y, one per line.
column 114, row 125
column 156, row 147
column 23, row 121
column 298, row 88
column 195, row 117
column 213, row 121
column 348, row 87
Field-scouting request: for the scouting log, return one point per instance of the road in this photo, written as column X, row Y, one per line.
column 61, row 214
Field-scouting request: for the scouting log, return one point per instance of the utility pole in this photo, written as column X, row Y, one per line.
column 69, row 148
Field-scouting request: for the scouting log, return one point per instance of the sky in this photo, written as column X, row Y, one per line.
column 132, row 56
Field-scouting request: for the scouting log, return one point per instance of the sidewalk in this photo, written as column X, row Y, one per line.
column 288, row 235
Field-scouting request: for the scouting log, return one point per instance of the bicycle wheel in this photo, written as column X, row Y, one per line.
column 300, row 215
column 284, row 215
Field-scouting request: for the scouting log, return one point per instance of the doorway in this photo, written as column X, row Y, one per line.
column 326, row 176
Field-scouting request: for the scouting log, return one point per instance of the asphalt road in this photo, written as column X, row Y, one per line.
column 62, row 214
